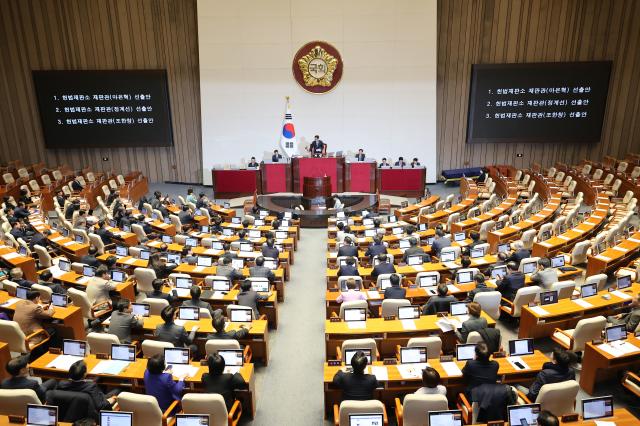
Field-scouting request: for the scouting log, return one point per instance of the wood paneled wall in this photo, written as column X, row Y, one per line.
column 505, row 31
column 101, row 34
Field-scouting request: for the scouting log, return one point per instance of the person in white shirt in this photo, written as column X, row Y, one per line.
column 431, row 382
column 100, row 285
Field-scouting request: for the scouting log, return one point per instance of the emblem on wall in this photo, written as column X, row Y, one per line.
column 317, row 67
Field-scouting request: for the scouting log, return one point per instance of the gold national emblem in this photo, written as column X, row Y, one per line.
column 317, row 67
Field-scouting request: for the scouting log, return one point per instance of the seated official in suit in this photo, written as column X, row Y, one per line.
column 123, row 321
column 376, row 248
column 545, row 275
column 350, row 269
column 159, row 265
column 217, row 381
column 360, row 156
column 383, row 267
column 219, row 323
column 631, row 319
column 415, row 163
column 157, row 293
column 78, row 383
column 90, row 258
column 17, row 276
column 481, row 286
column 30, row 312
column 395, row 291
column 352, row 294
column 357, row 385
column 242, row 237
column 384, row 163
column 431, row 383
column 105, row 235
column 475, row 239
column 46, row 280
column 160, row 385
column 348, row 249
column 518, row 253
column 440, row 242
column 560, row 369
column 317, row 147
column 509, row 285
column 174, row 333
column 253, row 163
column 414, row 250
column 276, row 157
column 100, row 285
column 270, row 249
column 250, row 298
column 185, row 216
column 18, row 369
column 400, row 162
column 226, row 270
column 474, row 323
column 81, row 220
column 195, row 301
column 480, row 370
column 440, row 302
column 261, row 271
column 502, row 260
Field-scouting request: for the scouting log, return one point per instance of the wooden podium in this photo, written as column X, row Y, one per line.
column 316, row 192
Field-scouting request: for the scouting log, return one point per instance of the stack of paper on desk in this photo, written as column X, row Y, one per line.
column 110, row 367
column 64, row 362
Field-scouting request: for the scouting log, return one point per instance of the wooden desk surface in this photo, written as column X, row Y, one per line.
column 413, row 209
column 601, row 365
column 492, row 214
column 258, row 327
column 613, row 255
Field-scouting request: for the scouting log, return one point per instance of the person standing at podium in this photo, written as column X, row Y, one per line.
column 360, row 156
column 317, row 147
column 400, row 162
column 276, row 156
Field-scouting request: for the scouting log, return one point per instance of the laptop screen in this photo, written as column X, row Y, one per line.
column 88, row 271
column 192, row 420
column 287, row 215
column 369, row 232
column 116, row 418
column 191, row 242
column 349, row 353
column 184, row 282
column 118, row 276
column 355, row 314
column 271, row 264
column 458, row 308
column 188, row 313
column 404, row 243
column 217, row 245
column 122, row 251
column 412, row 355
column 459, row 236
column 428, row 281
column 447, row 256
column 167, row 239
column 235, row 220
column 422, row 227
column 144, row 254
column 140, row 309
column 59, row 299
column 548, row 297
column 260, row 222
column 588, row 290
column 464, row 277
column 21, row 292
column 498, row 271
column 237, row 263
column 503, row 248
column 624, row 282
column 123, row 352
column 366, row 420
column 595, row 408
column 445, row 418
column 477, row 252
column 42, row 415
column 281, row 235
column 254, row 233
column 499, row 225
column 263, row 286
column 415, row 260
column 173, row 258
column 64, row 265
column 465, row 352
column 221, row 285
column 79, row 239
column 524, row 415
column 397, row 231
column 232, row 357
column 519, row 347
column 367, row 222
column 204, row 229
column 246, row 247
column 227, row 232
column 204, row 261
column 529, row 267
column 557, row 261
column 176, row 355
column 241, row 315
column 615, row 332
column 74, row 347
column 408, row 312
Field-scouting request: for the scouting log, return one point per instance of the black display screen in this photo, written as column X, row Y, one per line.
column 114, row 108
column 538, row 102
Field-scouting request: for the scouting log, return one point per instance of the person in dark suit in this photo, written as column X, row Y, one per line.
column 360, row 156
column 77, row 383
column 19, row 231
column 160, row 385
column 21, row 212
column 630, row 319
column 17, row 276
column 18, row 369
column 157, row 293
column 481, row 286
column 384, row 267
column 348, row 249
column 357, row 385
column 348, row 270
column 195, row 302
column 173, row 333
column 415, row 163
column 76, row 185
column 558, row 370
column 384, row 163
column 253, row 163
column 440, row 302
column 395, row 291
column 40, row 239
column 242, row 237
column 509, row 285
column 216, row 381
column 276, row 157
column 60, row 198
column 440, row 242
column 250, row 298
column 185, row 216
column 475, row 239
column 160, row 266
column 317, row 147
column 90, row 258
column 502, row 260
column 519, row 253
column 105, row 235
column 474, row 323
column 75, row 205
column 480, row 370
column 261, row 271
column 415, row 250
column 376, row 248
column 400, row 162
column 227, row 270
column 46, row 280
column 270, row 250
column 218, row 323
column 123, row 321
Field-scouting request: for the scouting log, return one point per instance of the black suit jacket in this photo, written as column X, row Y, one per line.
column 375, row 249
column 238, row 334
column 477, row 373
column 24, row 383
column 359, row 387
column 348, row 271
column 276, row 158
column 412, row 251
column 272, row 252
column 224, row 385
column 509, row 285
column 383, row 268
column 395, row 293
column 360, row 157
column 88, row 387
column 90, row 260
column 518, row 256
column 105, row 235
column 348, row 251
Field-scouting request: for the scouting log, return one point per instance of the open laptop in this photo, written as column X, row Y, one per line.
column 118, row 276
column 123, row 352
column 141, row 309
column 413, row 355
column 477, row 252
column 236, row 220
column 42, row 415
column 464, row 277
column 116, row 418
column 397, row 231
column 408, row 312
column 173, row 258
column 426, row 281
column 499, row 225
column 203, row 261
column 204, row 229
column 504, row 248
column 220, row 285
column 545, row 235
column 588, row 290
column 459, row 236
column 241, row 315
column 519, row 347
column 445, row 418
column 548, row 297
column 465, row 352
column 366, row 419
column 191, row 242
column 176, row 356
column 217, row 245
column 524, row 415
column 254, row 233
column 447, row 256
column 355, row 314
column 615, row 333
column 122, row 251
column 623, row 282
column 246, row 247
column 422, row 227
column 370, row 233
column 557, row 261
column 227, row 232
column 188, row 313
column 458, row 309
column 415, row 260
column 500, row 270
column 74, row 347
column 263, row 286
column 144, row 254
column 233, row 359
column 282, row 235
column 21, row 292
column 237, row 263
column 597, row 408
column 88, row 271
column 64, row 265
column 404, row 244
column 79, row 239
column 59, row 300
column 529, row 267
column 184, row 282
column 385, row 283
column 349, row 353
